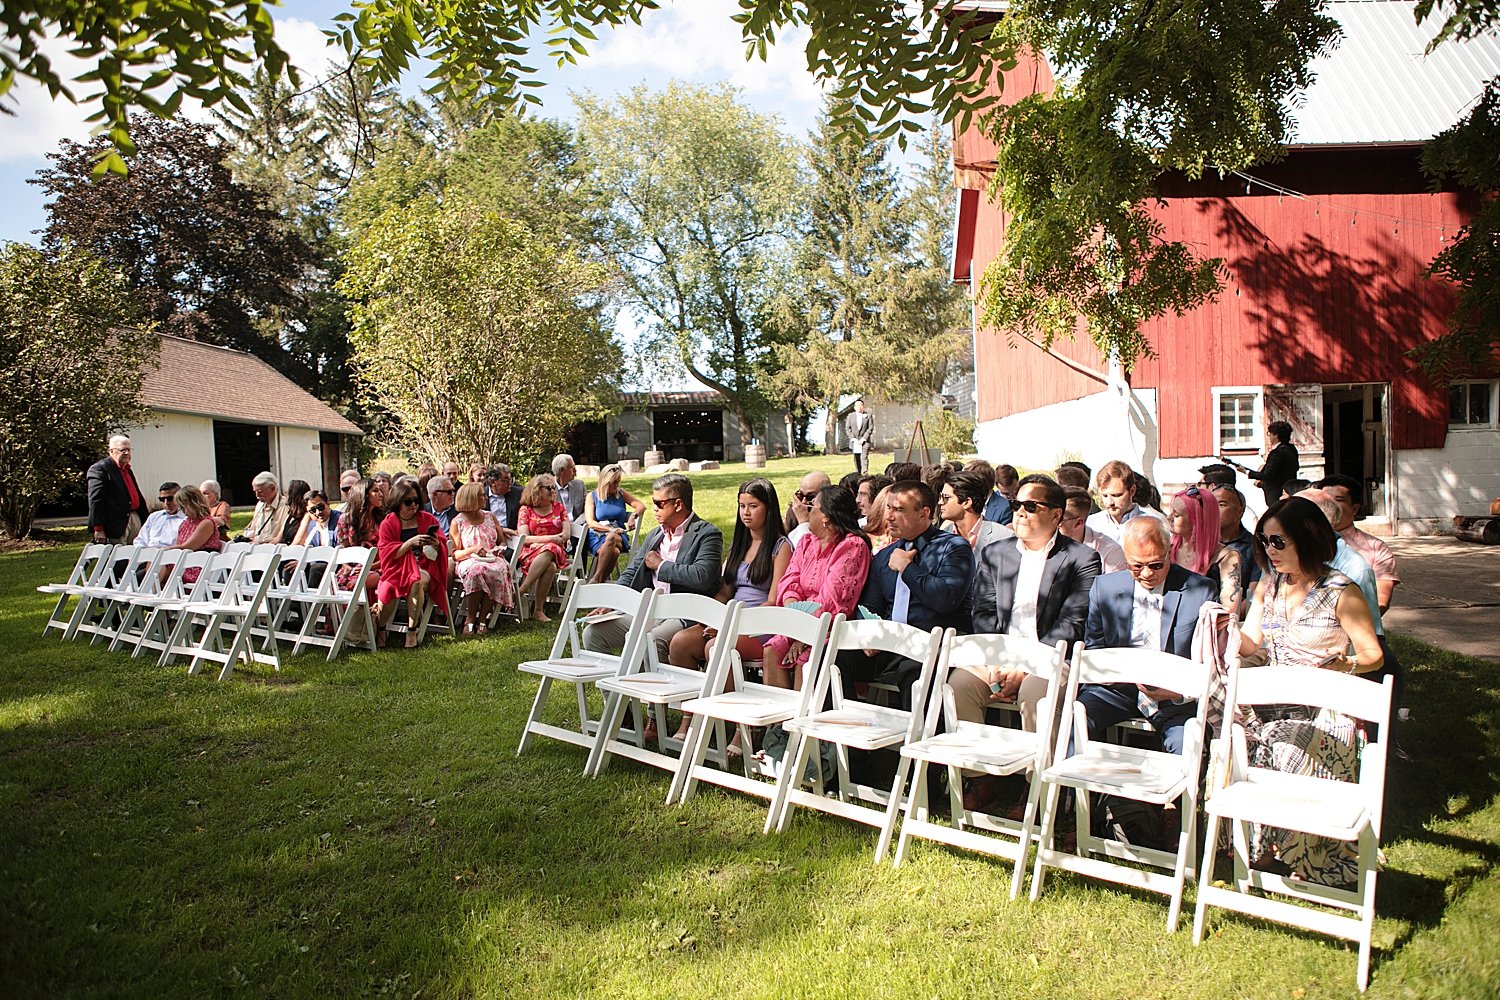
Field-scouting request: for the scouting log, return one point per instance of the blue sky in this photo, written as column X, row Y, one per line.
column 692, row 40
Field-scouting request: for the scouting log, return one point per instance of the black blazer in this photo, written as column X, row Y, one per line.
column 512, row 505
column 1063, row 601
column 1112, row 603
column 109, row 500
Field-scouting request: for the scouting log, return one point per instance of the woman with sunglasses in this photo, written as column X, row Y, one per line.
column 413, row 561
column 1305, row 614
column 610, row 513
column 545, row 521
column 320, row 525
column 1193, row 518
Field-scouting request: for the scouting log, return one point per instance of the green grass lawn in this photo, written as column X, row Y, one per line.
column 365, row 828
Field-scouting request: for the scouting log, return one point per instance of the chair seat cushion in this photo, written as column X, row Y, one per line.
column 1319, row 806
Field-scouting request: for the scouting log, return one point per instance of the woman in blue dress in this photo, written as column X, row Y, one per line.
column 609, row 524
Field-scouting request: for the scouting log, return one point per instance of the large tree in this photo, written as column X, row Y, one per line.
column 477, row 334
column 70, row 372
column 874, row 310
column 205, row 256
column 705, row 196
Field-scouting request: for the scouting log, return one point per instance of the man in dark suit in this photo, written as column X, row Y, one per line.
column 1152, row 604
column 682, row 554
column 503, row 498
column 922, row 580
column 1035, row 586
column 117, row 509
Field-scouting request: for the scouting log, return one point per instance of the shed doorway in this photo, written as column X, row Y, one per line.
column 241, row 452
column 1356, row 440
column 696, row 435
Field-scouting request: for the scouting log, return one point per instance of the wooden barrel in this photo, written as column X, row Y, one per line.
column 1484, row 530
column 755, row 456
column 653, row 458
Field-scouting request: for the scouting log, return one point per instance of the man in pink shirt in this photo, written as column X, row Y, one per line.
column 1348, row 494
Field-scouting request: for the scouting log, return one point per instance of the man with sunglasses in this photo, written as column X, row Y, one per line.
column 347, row 479
column 160, row 529
column 441, row 491
column 1152, row 604
column 801, row 506
column 681, row 555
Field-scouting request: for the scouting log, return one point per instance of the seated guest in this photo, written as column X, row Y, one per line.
column 570, row 488
column 961, row 505
column 1117, row 500
column 413, row 562
column 544, row 548
column 850, row 482
column 864, row 494
column 935, row 476
column 1147, row 495
column 1071, row 476
column 1152, row 605
column 452, row 473
column 876, row 525
column 1075, row 526
column 320, row 524
column 828, row 568
column 440, row 494
column 1234, row 535
column 904, row 471
column 996, row 507
column 359, row 525
column 1216, row 474
column 1349, row 495
column 296, row 509
column 218, row 507
column 269, row 519
column 1007, row 481
column 1035, row 586
column 383, row 482
column 682, row 554
column 1292, row 487
column 921, row 579
column 503, row 498
column 1194, row 525
column 801, row 505
column 197, row 532
column 347, row 479
column 160, row 529
column 610, row 526
column 474, row 534
column 478, row 473
column 426, row 472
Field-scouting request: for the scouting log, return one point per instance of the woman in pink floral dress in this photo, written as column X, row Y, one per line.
column 485, row 574
column 543, row 552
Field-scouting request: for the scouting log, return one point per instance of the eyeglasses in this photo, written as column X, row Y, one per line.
column 317, row 509
column 169, row 498
column 345, row 489
column 806, row 497
column 947, row 498
column 1032, row 506
column 1149, row 567
column 410, row 502
column 1277, row 542
column 659, row 504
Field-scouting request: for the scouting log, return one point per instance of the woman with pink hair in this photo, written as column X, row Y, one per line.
column 1193, row 517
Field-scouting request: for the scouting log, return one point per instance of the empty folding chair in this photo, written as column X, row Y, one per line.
column 223, row 631
column 856, row 725
column 1347, row 811
column 1151, row 776
column 977, row 746
column 291, row 592
column 652, row 687
column 132, row 609
column 100, row 612
column 745, row 703
column 92, row 565
column 215, row 572
column 569, row 663
column 339, row 614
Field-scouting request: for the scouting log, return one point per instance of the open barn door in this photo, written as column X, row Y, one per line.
column 1301, row 405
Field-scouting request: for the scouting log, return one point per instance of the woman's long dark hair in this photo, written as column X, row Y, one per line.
column 296, row 500
column 760, row 569
column 837, row 505
column 1306, row 526
column 364, row 516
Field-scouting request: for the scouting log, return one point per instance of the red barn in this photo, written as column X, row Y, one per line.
column 1325, row 296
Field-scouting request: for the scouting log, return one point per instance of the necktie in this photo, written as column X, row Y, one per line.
column 901, row 603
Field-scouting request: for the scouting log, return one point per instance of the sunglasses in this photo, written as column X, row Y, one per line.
column 411, row 502
column 806, row 497
column 345, row 489
column 169, row 498
column 659, row 504
column 1192, row 491
column 1277, row 542
column 317, row 509
column 947, row 498
column 1150, row 567
column 1032, row 506
column 550, row 489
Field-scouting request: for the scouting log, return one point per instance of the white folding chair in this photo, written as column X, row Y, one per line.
column 228, row 625
column 1325, row 807
column 237, row 548
column 92, row 565
column 569, row 663
column 521, row 611
column 139, row 607
column 216, row 572
column 100, row 614
column 978, row 746
column 643, row 681
column 858, row 726
column 1151, row 776
column 568, row 577
column 333, row 613
column 745, row 703
column 127, row 615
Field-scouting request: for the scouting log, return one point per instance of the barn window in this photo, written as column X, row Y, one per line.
column 1237, row 419
column 1472, row 404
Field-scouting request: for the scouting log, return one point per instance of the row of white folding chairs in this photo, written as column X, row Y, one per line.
column 142, row 597
column 1060, row 756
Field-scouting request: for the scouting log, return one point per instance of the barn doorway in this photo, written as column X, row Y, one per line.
column 1356, row 439
column 241, row 452
column 696, row 435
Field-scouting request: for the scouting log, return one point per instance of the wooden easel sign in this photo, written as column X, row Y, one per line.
column 922, row 456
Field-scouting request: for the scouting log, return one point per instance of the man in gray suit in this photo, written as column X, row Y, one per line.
column 680, row 555
column 570, row 488
column 859, row 427
column 1151, row 604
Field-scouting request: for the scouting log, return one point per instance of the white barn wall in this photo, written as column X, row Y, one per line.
column 295, row 454
column 1434, row 484
column 172, row 447
column 1095, row 429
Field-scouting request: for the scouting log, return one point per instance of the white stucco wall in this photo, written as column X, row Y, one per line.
column 1434, row 484
column 1093, row 430
column 295, row 454
column 172, row 447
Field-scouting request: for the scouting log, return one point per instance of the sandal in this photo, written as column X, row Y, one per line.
column 471, row 629
column 484, row 628
column 412, row 637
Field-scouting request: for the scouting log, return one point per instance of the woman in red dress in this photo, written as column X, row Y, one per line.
column 543, row 551
column 413, row 560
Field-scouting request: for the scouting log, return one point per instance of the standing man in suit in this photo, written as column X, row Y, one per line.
column 1035, row 586
column 116, row 507
column 1152, row 604
column 682, row 554
column 922, row 580
column 859, row 427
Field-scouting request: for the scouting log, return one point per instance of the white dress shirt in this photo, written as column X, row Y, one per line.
column 160, row 529
column 1027, row 595
column 1108, row 526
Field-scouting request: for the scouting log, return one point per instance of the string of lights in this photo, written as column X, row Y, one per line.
column 1319, row 204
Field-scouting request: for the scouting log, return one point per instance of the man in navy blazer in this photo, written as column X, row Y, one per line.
column 922, row 579
column 1153, row 603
